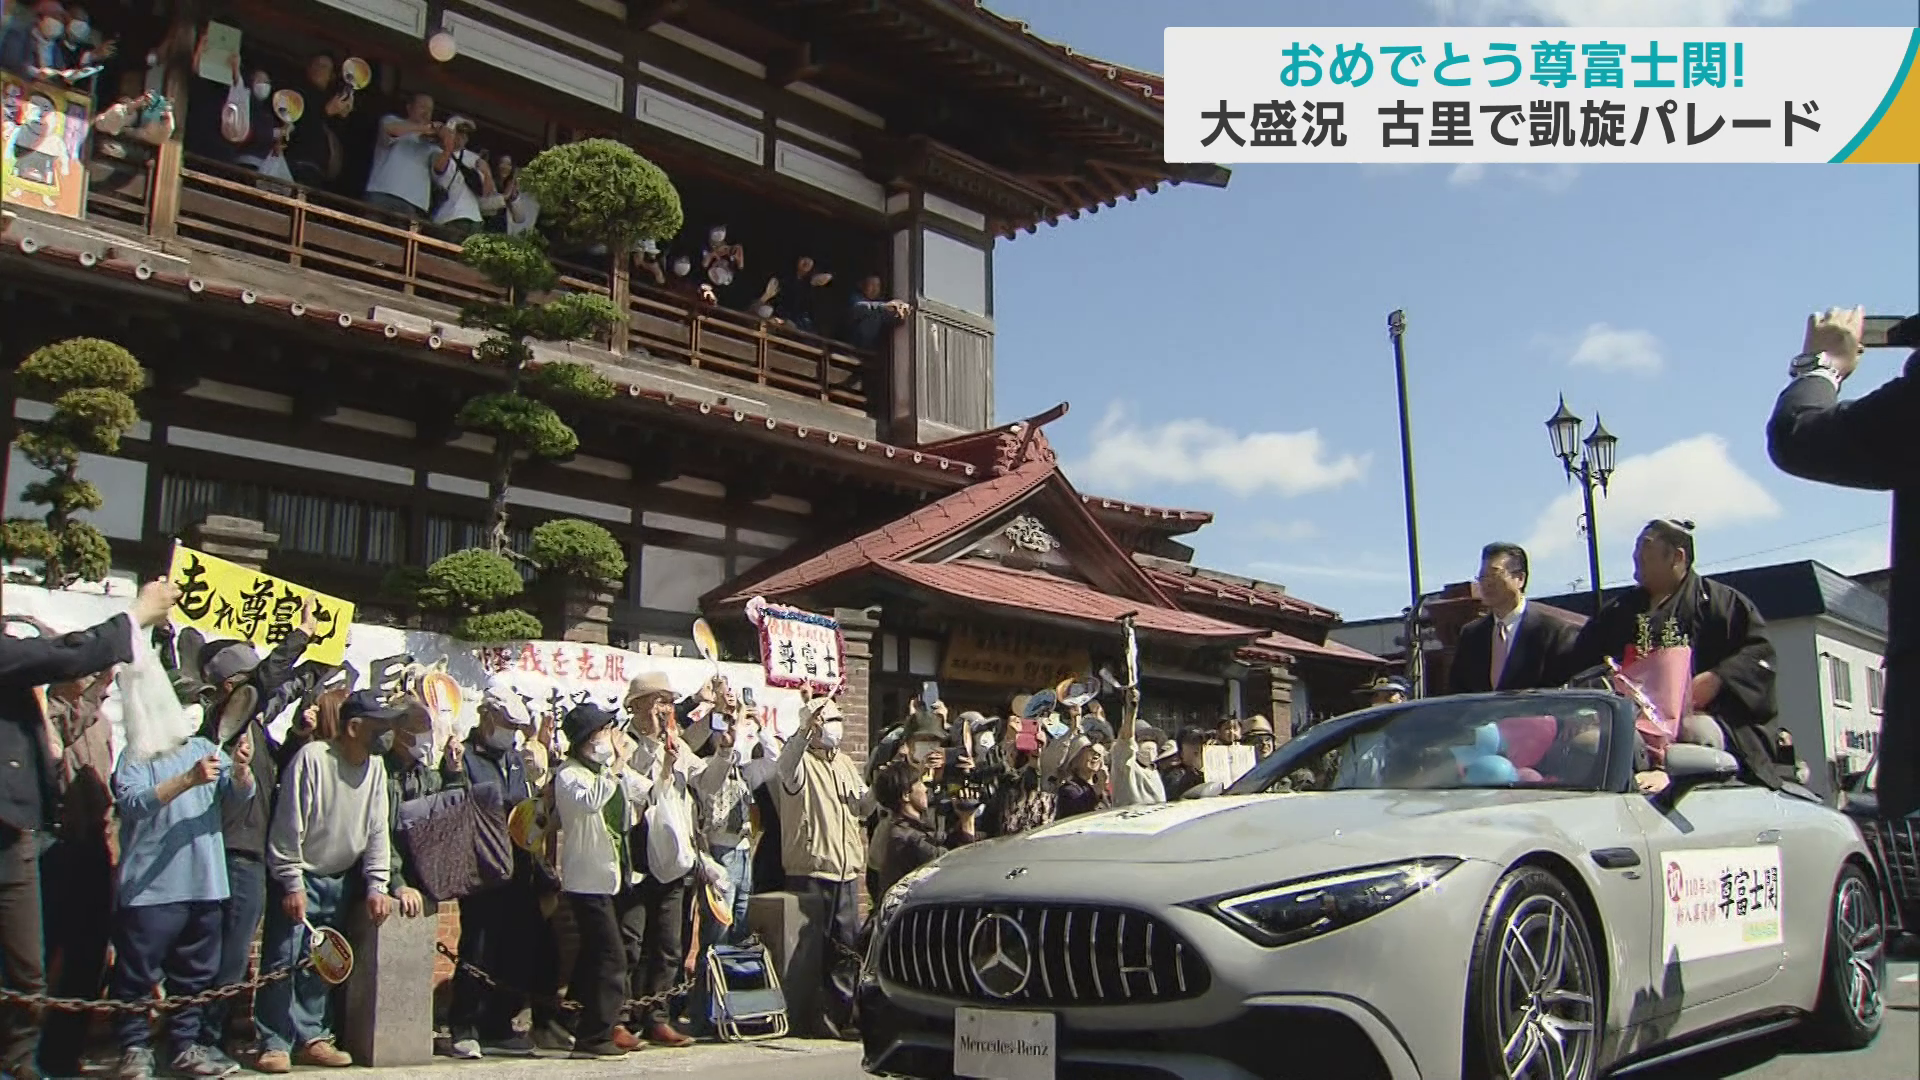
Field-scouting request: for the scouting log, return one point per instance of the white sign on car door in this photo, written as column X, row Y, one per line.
column 1721, row 901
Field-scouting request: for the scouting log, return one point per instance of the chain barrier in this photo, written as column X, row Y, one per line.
column 44, row 1002
column 631, row 1005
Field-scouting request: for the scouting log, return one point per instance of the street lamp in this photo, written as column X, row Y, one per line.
column 1589, row 461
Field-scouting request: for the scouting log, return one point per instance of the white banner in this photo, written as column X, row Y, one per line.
column 1721, row 901
column 1536, row 95
column 550, row 674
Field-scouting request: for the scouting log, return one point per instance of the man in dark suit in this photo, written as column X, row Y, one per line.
column 1513, row 646
column 27, row 803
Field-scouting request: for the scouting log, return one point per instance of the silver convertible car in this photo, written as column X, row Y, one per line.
column 1458, row 887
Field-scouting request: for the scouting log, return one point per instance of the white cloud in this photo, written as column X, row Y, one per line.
column 1283, row 570
column 1288, row 531
column 1848, row 554
column 1694, row 479
column 1545, row 177
column 1614, row 12
column 1608, row 348
column 1193, row 451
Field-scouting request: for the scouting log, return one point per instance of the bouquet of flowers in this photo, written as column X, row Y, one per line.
column 1658, row 676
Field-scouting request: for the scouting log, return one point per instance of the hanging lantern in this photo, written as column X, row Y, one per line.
column 442, row 47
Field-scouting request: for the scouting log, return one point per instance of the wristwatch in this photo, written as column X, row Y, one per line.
column 1819, row 364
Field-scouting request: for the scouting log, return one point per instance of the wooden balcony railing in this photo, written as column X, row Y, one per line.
column 238, row 210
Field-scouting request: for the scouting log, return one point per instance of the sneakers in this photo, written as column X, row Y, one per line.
column 223, row 1059
column 515, row 1045
column 466, row 1050
column 200, row 1061
column 551, row 1036
column 323, row 1053
column 135, row 1064
column 273, row 1062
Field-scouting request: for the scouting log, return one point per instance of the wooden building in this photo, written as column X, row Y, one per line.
column 308, row 362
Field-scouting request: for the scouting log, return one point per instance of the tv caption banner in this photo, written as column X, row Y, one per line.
column 1524, row 95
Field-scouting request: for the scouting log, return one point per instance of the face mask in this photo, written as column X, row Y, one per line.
column 1055, row 729
column 1144, row 754
column 600, row 753
column 382, row 743
column 831, row 733
column 501, row 738
column 682, row 267
column 413, row 751
column 262, row 91
column 717, row 237
column 51, row 28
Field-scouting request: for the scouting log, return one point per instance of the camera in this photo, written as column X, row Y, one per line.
column 1890, row 332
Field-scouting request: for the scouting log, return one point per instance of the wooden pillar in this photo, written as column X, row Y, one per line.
column 163, row 192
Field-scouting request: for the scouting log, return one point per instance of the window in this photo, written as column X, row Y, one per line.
column 889, row 653
column 923, row 656
column 1840, row 680
column 320, row 525
column 675, row 580
column 1876, row 688
column 447, row 535
column 955, row 273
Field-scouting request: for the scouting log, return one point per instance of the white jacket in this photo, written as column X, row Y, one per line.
column 589, row 862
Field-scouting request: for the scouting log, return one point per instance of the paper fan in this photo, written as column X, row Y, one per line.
column 356, row 73
column 289, row 106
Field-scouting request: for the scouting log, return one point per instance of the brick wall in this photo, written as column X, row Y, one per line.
column 857, row 627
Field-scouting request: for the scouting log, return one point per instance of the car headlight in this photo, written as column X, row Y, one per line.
column 1306, row 909
column 889, row 909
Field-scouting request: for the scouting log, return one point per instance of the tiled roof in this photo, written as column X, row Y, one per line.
column 929, row 526
column 1287, row 646
column 903, row 457
column 994, row 451
column 1195, row 584
column 1030, row 591
column 1158, row 515
column 1144, row 84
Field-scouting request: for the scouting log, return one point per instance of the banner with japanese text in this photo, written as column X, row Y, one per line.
column 224, row 600
column 801, row 650
column 552, row 676
column 1471, row 96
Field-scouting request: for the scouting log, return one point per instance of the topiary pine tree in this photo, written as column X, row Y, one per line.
column 596, row 191
column 90, row 384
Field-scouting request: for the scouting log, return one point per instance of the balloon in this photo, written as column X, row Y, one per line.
column 1491, row 771
column 1486, row 739
column 442, row 47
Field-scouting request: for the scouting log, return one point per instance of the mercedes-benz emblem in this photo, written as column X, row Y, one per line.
column 1001, row 956
column 1017, row 871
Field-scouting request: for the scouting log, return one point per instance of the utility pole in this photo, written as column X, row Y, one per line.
column 1416, row 644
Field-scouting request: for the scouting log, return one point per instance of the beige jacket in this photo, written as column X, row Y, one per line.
column 822, row 799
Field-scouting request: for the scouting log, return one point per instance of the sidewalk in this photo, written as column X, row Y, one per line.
column 782, row 1059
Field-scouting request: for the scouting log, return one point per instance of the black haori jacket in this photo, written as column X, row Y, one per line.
column 1728, row 637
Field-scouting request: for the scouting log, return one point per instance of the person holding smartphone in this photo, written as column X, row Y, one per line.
column 1863, row 443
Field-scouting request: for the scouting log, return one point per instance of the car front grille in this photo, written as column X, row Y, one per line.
column 1896, row 847
column 1054, row 955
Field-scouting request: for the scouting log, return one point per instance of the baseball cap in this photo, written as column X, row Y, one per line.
column 507, row 702
column 239, row 658
column 370, row 705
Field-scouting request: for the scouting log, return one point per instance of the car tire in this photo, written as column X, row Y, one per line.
column 1853, row 979
column 1534, row 986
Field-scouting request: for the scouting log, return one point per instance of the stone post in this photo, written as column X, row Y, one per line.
column 386, row 1018
column 857, row 627
column 580, row 611
column 238, row 540
column 1273, row 686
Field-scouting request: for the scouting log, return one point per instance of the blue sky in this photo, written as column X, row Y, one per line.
column 1226, row 350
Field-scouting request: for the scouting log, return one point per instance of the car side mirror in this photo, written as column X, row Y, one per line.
column 1688, row 766
column 1205, row 791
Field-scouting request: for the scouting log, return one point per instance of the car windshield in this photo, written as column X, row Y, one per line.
column 1544, row 740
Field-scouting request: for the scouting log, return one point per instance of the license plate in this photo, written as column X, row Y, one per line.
column 989, row 1044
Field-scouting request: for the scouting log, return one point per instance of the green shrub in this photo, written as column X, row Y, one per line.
column 578, row 549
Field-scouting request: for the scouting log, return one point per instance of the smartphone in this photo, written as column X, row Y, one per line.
column 746, row 696
column 1027, row 739
column 1890, row 331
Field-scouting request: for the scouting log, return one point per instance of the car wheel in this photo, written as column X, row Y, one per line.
column 1534, row 997
column 1851, row 1008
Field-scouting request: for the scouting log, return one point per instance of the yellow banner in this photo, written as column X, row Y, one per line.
column 227, row 601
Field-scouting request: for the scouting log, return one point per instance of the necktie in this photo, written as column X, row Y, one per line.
column 1502, row 642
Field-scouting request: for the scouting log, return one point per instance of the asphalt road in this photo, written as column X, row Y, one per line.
column 1894, row 1056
